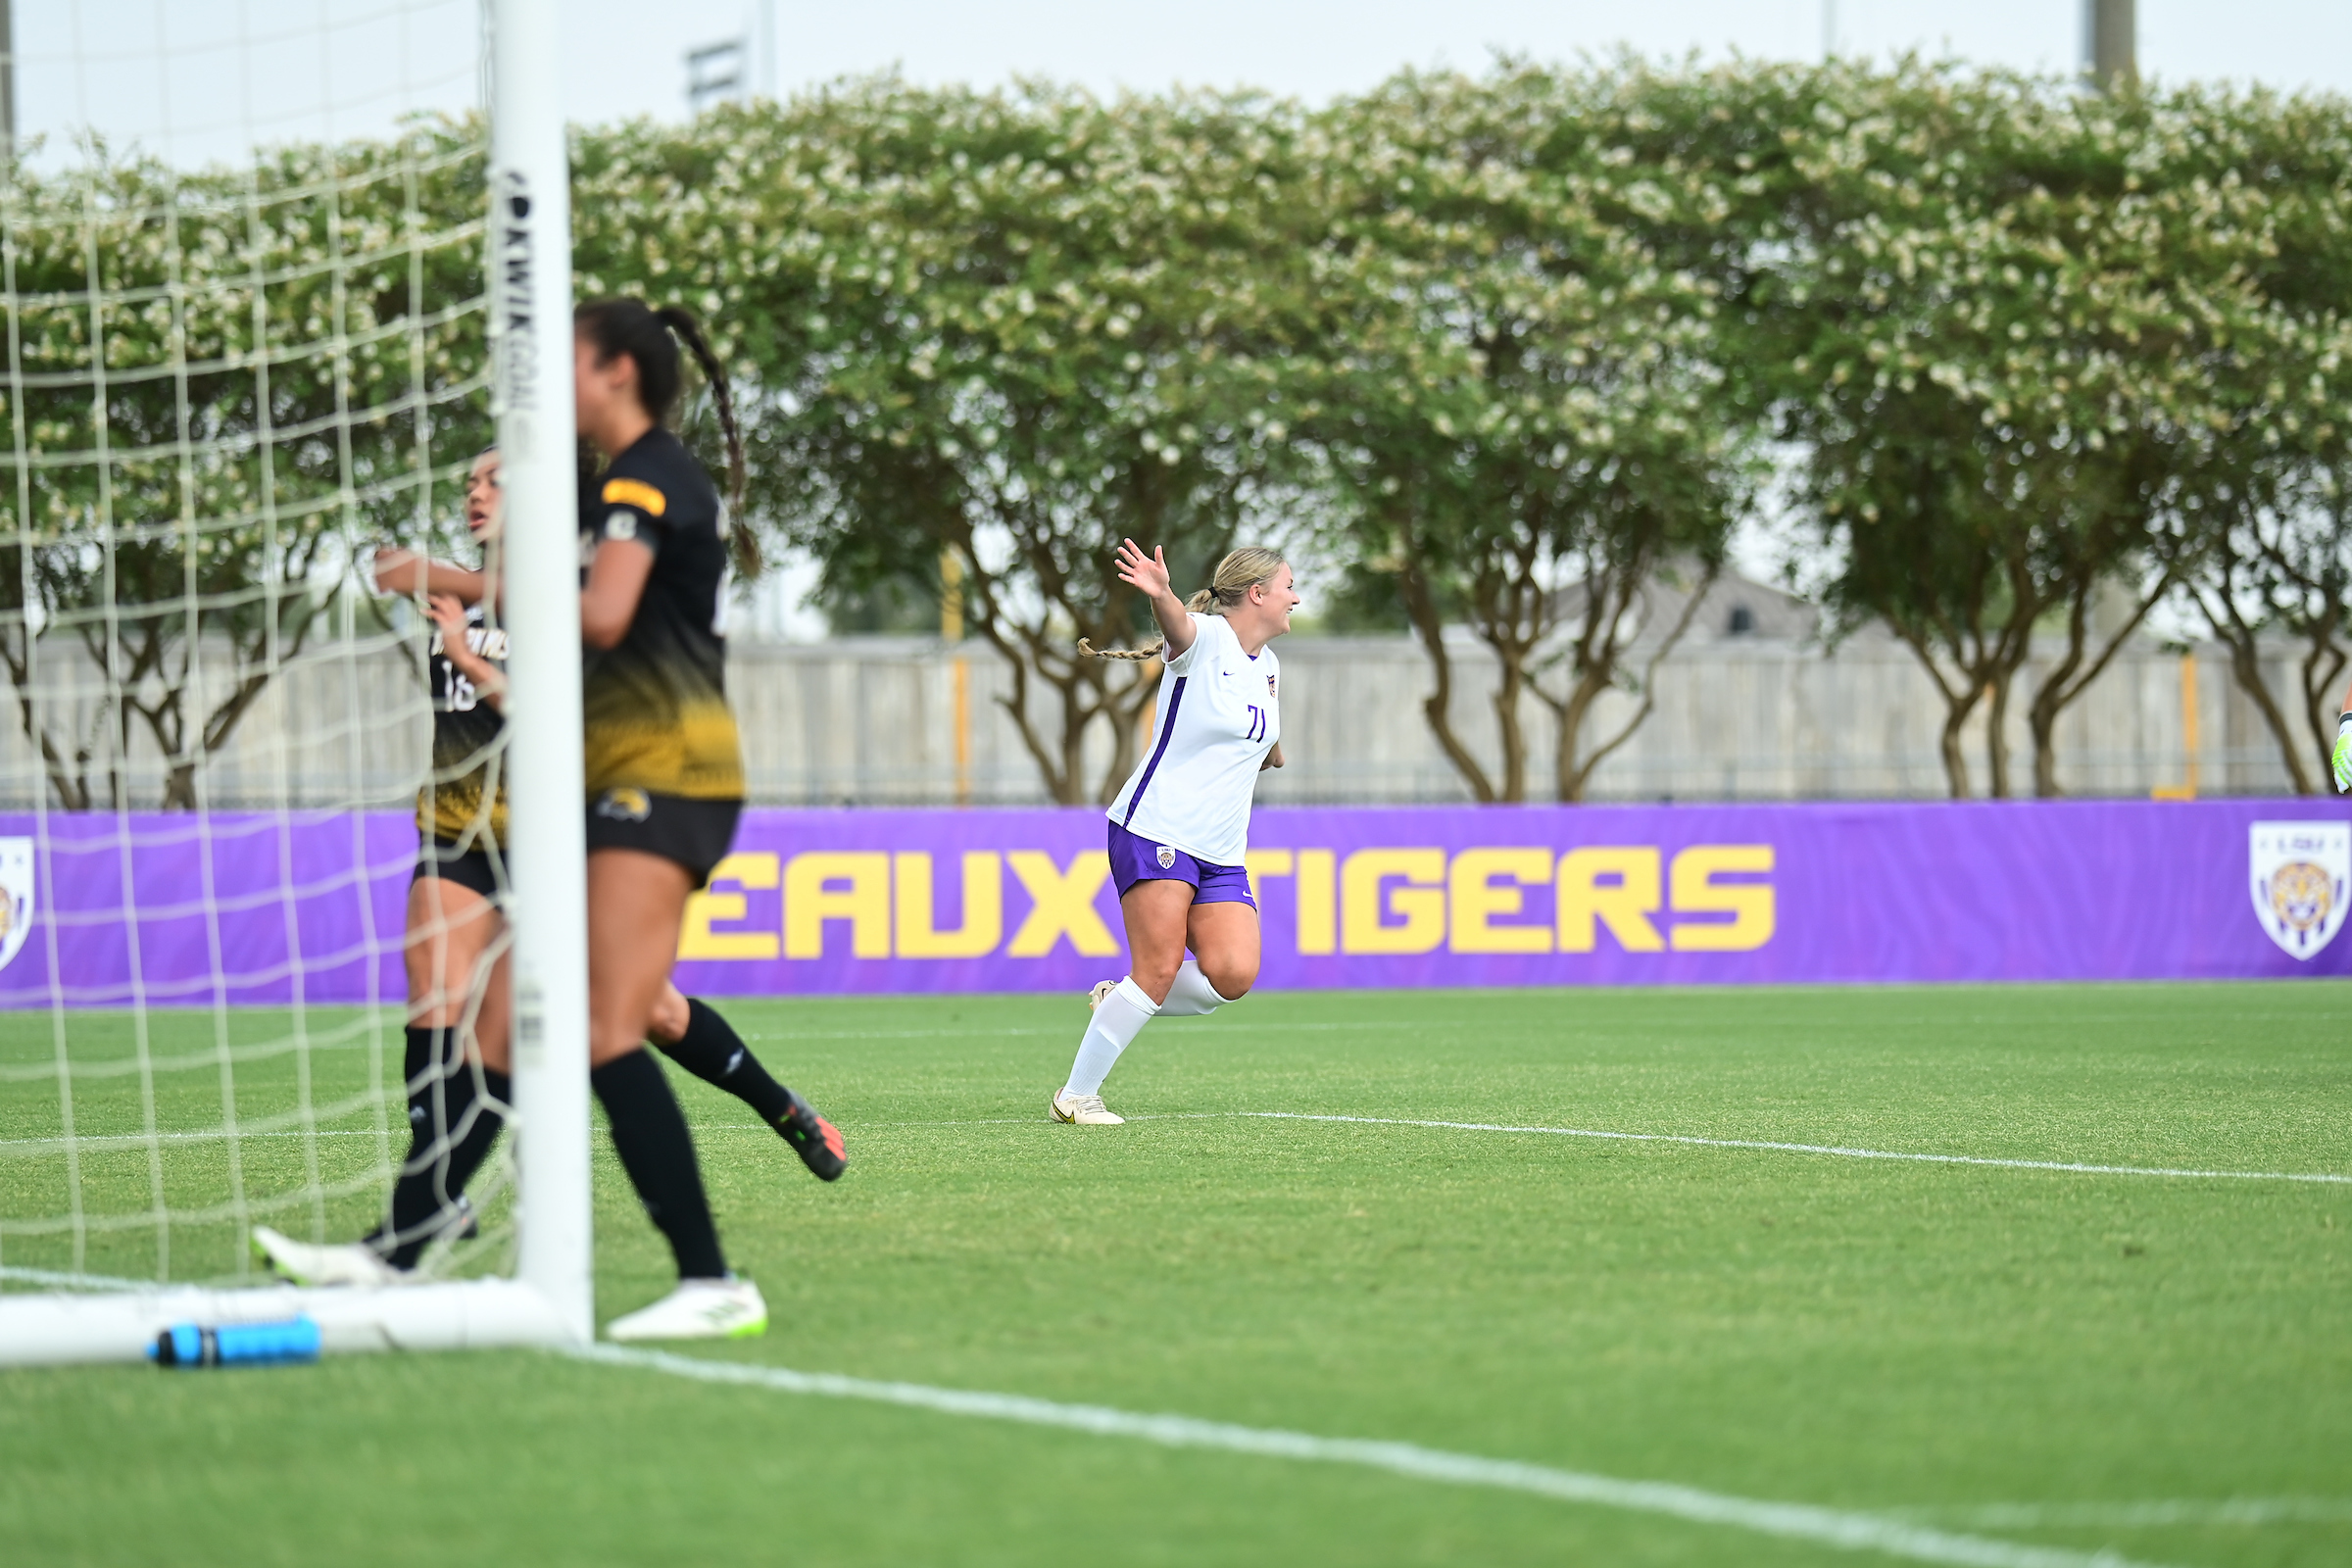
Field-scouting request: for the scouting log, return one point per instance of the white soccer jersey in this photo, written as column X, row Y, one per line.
column 1220, row 711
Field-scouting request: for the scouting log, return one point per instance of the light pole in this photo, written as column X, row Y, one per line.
column 8, row 82
column 767, row 63
column 2110, row 43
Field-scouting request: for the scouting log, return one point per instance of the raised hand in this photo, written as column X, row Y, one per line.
column 1151, row 575
column 1147, row 573
column 2342, row 759
column 448, row 614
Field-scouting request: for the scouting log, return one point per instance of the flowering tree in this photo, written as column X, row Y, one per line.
column 1508, row 346
column 2007, row 378
column 1528, row 405
column 1007, row 330
column 2274, row 496
column 224, row 381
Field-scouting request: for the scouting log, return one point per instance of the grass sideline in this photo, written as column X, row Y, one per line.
column 1940, row 1341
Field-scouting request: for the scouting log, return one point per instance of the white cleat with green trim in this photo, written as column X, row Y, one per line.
column 698, row 1310
column 343, row 1264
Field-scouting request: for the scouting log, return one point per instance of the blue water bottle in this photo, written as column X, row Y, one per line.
column 191, row 1344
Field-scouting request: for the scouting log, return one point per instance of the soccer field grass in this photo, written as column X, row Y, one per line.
column 2025, row 1357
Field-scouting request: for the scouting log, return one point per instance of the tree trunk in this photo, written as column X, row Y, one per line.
column 1571, row 770
column 2069, row 679
column 1076, row 716
column 1996, row 736
column 1126, row 708
column 1420, row 603
column 1059, row 782
column 2045, row 754
column 2050, row 698
column 1082, row 685
column 2245, row 666
column 1955, row 759
column 71, row 783
column 1574, row 772
column 1507, row 692
column 2323, row 666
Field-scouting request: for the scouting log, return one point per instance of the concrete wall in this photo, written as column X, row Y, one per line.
column 1736, row 718
column 873, row 722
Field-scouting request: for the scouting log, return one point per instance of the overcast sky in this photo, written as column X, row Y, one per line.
column 201, row 78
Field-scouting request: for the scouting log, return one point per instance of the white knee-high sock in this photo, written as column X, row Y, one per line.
column 1118, row 1018
column 1192, row 995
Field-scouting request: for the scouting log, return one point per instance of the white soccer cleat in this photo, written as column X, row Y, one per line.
column 1102, row 987
column 1085, row 1111
column 698, row 1310
column 345, row 1263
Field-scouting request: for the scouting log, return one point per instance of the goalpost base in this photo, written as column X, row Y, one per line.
column 61, row 1329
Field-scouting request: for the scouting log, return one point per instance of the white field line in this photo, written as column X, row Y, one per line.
column 1803, row 1148
column 60, row 1280
column 1838, row 1151
column 794, row 1035
column 2137, row 1515
column 1849, row 1532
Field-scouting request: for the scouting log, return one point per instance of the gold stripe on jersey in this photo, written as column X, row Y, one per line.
column 695, row 756
column 636, row 493
column 453, row 812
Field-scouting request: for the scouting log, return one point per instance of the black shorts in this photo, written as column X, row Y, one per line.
column 694, row 834
column 467, row 868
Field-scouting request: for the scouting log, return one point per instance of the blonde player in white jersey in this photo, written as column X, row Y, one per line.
column 1180, row 825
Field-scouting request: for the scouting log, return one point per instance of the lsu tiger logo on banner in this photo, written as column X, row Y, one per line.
column 16, row 897
column 2299, row 872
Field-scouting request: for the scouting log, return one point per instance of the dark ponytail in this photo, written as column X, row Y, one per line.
column 632, row 328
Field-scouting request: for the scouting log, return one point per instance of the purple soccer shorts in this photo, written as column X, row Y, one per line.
column 1136, row 859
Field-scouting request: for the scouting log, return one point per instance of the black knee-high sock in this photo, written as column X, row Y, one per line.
column 417, row 1055
column 714, row 1053
column 648, row 1133
column 451, row 1131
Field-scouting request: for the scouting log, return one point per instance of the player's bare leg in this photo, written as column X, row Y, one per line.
column 1158, row 917
column 1156, row 921
column 1224, row 941
column 636, row 903
column 1224, row 938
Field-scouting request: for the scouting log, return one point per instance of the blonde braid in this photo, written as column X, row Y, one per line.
column 1228, row 587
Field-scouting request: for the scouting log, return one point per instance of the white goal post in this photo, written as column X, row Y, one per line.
column 530, row 195
column 548, row 1299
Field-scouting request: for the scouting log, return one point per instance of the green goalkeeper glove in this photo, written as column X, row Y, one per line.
column 2343, row 755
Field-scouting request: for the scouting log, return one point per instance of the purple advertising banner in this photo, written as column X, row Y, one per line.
column 183, row 911
column 175, row 910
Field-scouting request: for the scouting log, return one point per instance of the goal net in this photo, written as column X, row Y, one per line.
column 261, row 314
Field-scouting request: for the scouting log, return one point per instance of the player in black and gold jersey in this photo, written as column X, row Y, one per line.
column 456, row 1057
column 665, row 772
column 458, row 1096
